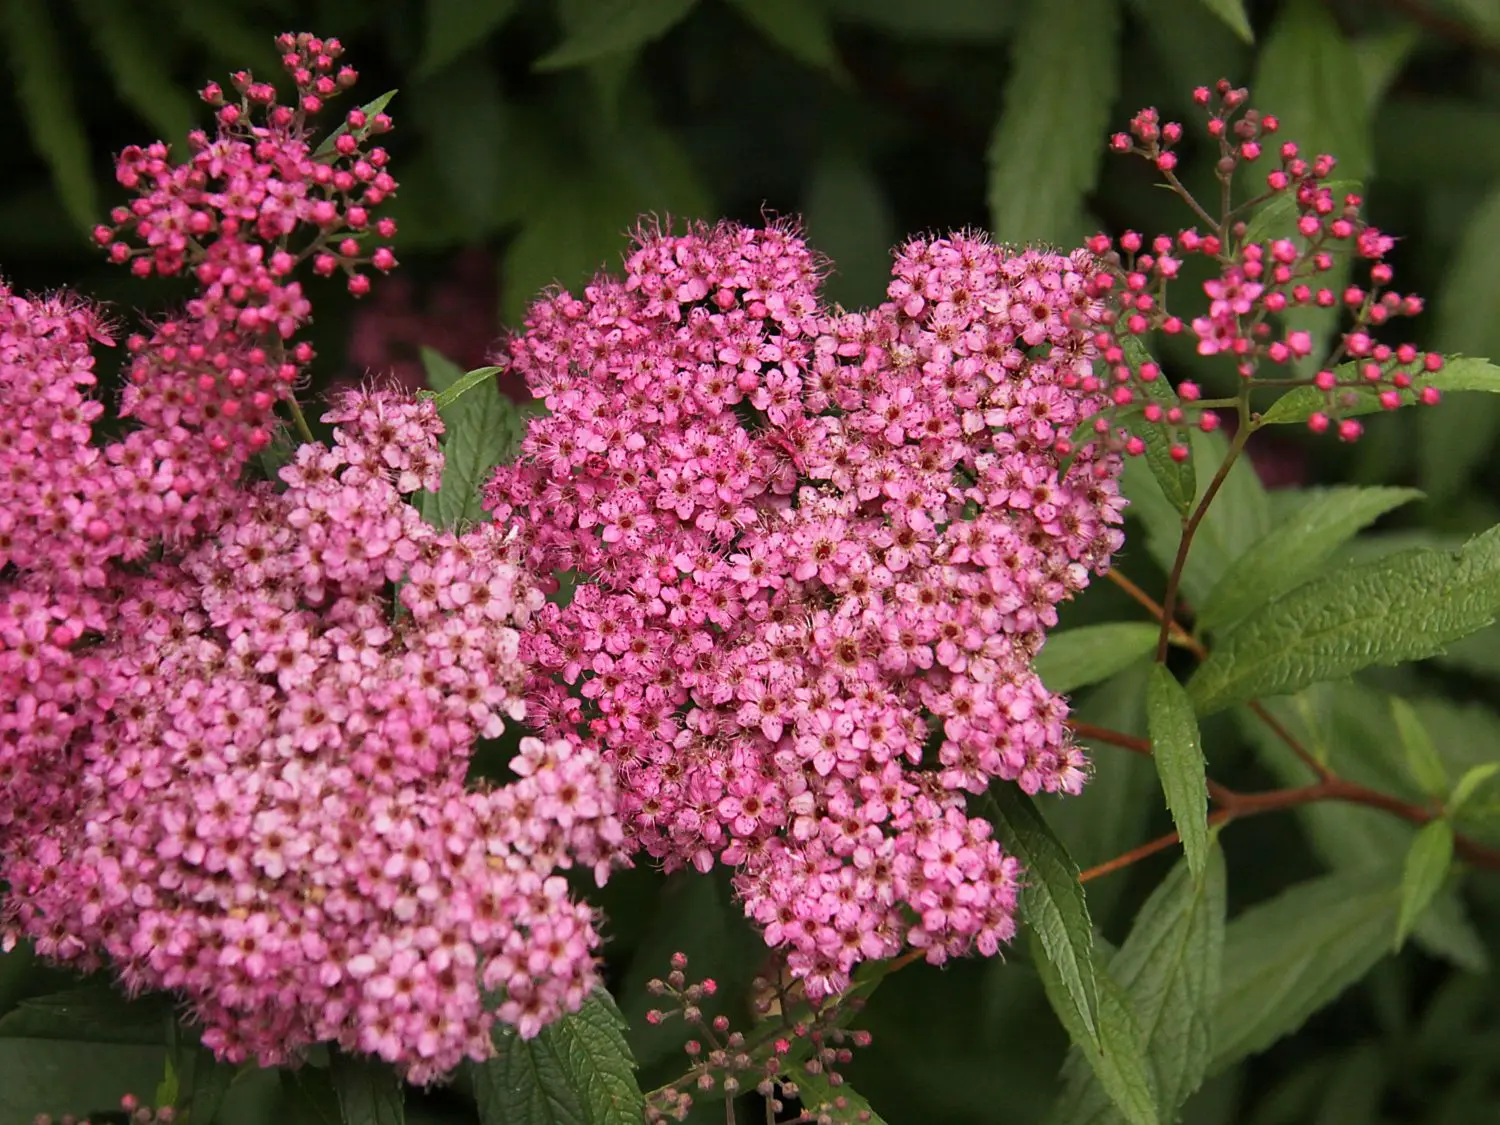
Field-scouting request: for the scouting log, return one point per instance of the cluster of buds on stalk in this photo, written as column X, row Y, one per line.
column 791, row 1039
column 1279, row 253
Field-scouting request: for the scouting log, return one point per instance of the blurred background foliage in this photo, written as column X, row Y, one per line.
column 530, row 136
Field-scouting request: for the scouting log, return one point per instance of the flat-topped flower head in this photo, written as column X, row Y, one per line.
column 269, row 811
column 817, row 552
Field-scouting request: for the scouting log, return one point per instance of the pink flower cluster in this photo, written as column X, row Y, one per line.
column 268, row 812
column 816, row 554
column 1257, row 281
column 233, row 757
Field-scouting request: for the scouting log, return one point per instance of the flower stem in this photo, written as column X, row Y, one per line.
column 1190, row 528
column 300, row 420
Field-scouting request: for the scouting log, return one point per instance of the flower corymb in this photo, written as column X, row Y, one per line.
column 816, row 552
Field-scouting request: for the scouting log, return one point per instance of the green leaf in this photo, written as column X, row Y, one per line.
column 578, row 1071
column 93, row 1011
column 482, row 428
column 1178, row 752
column 456, row 388
column 1292, row 551
column 1232, row 12
column 1456, row 436
column 135, row 62
column 370, row 109
column 1075, row 658
column 1402, row 607
column 1427, row 865
column 841, row 1103
column 1469, row 783
column 1052, row 905
column 1169, row 967
column 614, row 27
column 849, row 218
column 454, row 26
column 1350, row 727
column 46, row 96
column 370, row 1092
column 1062, row 937
column 1458, row 373
column 1422, row 758
column 1178, row 479
column 1287, row 957
column 1115, row 1075
column 1045, row 151
column 799, row 27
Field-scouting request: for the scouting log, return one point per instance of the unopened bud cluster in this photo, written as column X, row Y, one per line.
column 734, row 1062
column 1259, row 280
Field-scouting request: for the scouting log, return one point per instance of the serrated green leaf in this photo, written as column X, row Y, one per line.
column 1421, row 755
column 1178, row 479
column 1045, row 151
column 1052, row 905
column 454, row 26
column 369, row 1091
column 1469, row 784
column 1458, row 373
column 1426, row 867
column 614, row 27
column 799, row 27
column 849, row 218
column 842, row 1103
column 481, row 428
column 46, row 96
column 1232, row 12
column 1177, row 750
column 1169, row 967
column 578, row 1071
column 1287, row 957
column 135, row 64
column 1074, row 658
column 1114, row 1077
column 1056, row 914
column 1403, row 607
column 1291, row 551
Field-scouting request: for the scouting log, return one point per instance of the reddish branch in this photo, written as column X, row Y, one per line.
column 1233, row 805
